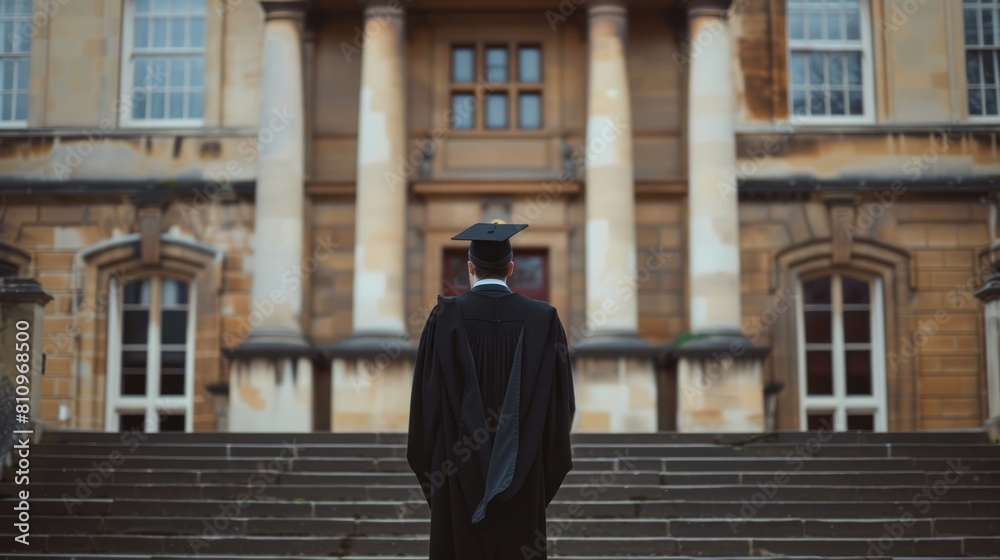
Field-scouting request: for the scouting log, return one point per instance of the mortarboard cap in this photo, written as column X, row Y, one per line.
column 490, row 245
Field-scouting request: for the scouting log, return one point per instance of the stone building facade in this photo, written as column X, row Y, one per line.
column 750, row 214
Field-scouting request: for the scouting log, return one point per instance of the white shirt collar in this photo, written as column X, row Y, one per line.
column 490, row 281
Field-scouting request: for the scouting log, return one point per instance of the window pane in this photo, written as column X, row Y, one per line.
column 496, row 64
column 853, row 68
column 817, row 102
column 196, row 71
column 989, row 37
column 815, row 28
column 857, row 326
column 529, row 111
column 462, row 64
column 972, row 67
column 141, row 32
column 174, row 327
column 172, row 373
column 194, row 105
column 854, row 291
column 816, row 74
column 196, row 32
column 819, row 378
column 864, row 422
column 177, row 73
column 133, row 372
column 175, row 292
column 836, row 65
column 463, row 111
column 136, row 292
column 989, row 68
column 496, row 110
column 177, row 30
column 817, row 291
column 817, row 324
column 856, row 103
column 975, row 102
column 176, row 105
column 833, row 27
column 132, row 422
column 817, row 422
column 529, row 64
column 135, row 326
column 798, row 68
column 837, row 104
column 854, row 25
column 859, row 372
column 172, row 423
column 799, row 102
column 529, row 273
column 971, row 27
column 990, row 97
column 21, row 106
column 796, row 25
column 159, row 32
column 158, row 101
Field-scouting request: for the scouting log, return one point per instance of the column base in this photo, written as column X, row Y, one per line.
column 720, row 386
column 993, row 429
column 372, row 375
column 271, row 394
column 615, row 384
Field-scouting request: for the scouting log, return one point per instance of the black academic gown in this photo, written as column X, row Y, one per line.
column 490, row 416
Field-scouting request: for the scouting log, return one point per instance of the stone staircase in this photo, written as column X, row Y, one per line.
column 320, row 495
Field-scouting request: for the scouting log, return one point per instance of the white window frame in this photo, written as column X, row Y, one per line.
column 965, row 56
column 19, row 123
column 867, row 71
column 840, row 403
column 125, row 118
column 152, row 404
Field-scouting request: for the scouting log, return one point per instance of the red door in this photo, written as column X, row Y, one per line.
column 530, row 278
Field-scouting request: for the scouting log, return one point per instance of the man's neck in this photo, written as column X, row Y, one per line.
column 490, row 281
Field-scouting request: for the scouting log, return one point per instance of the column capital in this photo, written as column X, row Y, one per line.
column 710, row 8
column 384, row 8
column 284, row 9
column 607, row 9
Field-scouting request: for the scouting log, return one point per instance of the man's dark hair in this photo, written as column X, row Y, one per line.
column 483, row 273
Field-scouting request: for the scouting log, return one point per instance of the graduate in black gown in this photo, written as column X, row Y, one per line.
column 490, row 411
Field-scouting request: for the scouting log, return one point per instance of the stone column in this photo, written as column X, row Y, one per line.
column 370, row 369
column 380, row 224
column 612, row 308
column 989, row 294
column 271, row 378
column 720, row 384
column 614, row 367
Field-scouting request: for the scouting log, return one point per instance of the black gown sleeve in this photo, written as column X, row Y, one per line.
column 558, row 456
column 425, row 408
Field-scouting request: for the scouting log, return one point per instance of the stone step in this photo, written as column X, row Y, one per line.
column 399, row 465
column 106, row 556
column 557, row 545
column 125, row 475
column 630, row 509
column 257, row 488
column 294, row 449
column 270, row 438
column 567, row 527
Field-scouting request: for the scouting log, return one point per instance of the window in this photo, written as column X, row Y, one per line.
column 982, row 56
column 163, row 78
column 530, row 276
column 15, row 55
column 150, row 356
column 841, row 354
column 829, row 58
column 510, row 76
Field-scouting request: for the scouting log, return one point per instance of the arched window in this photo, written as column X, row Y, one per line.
column 150, row 355
column 841, row 353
